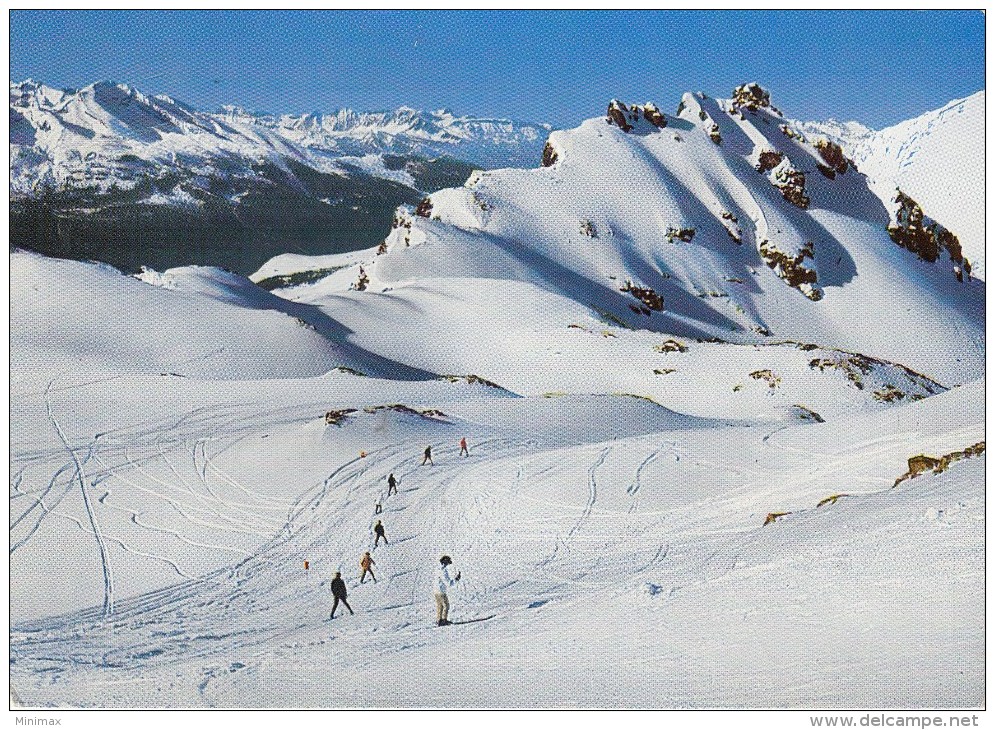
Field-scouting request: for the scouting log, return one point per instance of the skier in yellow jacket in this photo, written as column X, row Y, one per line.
column 366, row 563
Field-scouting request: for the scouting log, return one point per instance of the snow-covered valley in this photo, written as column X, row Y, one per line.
column 694, row 357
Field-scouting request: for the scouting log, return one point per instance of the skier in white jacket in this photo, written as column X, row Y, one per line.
column 443, row 581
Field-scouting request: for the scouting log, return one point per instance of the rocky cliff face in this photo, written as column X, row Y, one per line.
column 914, row 231
column 769, row 233
column 751, row 96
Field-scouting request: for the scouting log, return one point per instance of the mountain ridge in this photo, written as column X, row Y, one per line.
column 936, row 158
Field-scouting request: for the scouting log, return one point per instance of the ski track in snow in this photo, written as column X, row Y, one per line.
column 346, row 477
column 40, row 500
column 592, row 484
column 81, row 476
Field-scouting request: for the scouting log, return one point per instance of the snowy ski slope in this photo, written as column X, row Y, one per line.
column 172, row 467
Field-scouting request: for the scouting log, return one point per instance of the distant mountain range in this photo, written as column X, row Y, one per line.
column 110, row 173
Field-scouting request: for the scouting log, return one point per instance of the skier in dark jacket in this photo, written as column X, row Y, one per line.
column 339, row 593
column 428, row 457
column 391, row 485
column 378, row 529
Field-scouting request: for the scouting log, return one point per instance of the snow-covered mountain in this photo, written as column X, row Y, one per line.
column 937, row 159
column 725, row 409
column 111, row 135
column 489, row 143
column 718, row 222
column 225, row 188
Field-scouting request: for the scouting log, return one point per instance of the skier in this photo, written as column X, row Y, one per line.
column 428, row 456
column 391, row 485
column 378, row 529
column 463, row 451
column 378, row 507
column 442, row 582
column 340, row 593
column 366, row 563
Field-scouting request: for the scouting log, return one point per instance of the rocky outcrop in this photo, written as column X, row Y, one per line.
column 627, row 117
column 654, row 116
column 428, row 413
column 832, row 154
column 854, row 367
column 751, row 96
column 402, row 221
column 690, row 109
column 731, row 223
column 767, row 160
column 619, row 115
column 806, row 414
column 791, row 183
column 831, row 499
column 792, row 268
column 767, row 376
column 335, row 418
column 671, row 346
column 470, row 380
column 549, row 155
column 362, row 282
column 685, row 234
column 650, row 299
column 913, row 231
column 424, row 208
column 857, row 368
column 587, row 228
column 792, row 133
column 713, row 131
column 888, row 394
column 921, row 463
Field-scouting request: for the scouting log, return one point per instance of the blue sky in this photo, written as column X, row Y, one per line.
column 560, row 67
